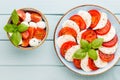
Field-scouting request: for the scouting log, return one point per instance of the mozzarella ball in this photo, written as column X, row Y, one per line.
column 28, row 17
column 41, row 24
column 33, row 24
column 34, row 42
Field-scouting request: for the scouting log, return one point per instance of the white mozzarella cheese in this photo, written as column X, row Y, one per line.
column 79, row 35
column 28, row 17
column 86, row 17
column 64, row 38
column 107, row 50
column 33, row 24
column 70, row 52
column 34, row 42
column 26, row 23
column 109, row 36
column 102, row 22
column 41, row 24
column 84, row 64
column 99, row 63
column 71, row 24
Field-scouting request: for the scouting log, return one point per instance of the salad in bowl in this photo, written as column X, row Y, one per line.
column 86, row 39
column 27, row 28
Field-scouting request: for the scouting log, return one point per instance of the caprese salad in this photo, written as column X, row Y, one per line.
column 26, row 28
column 88, row 40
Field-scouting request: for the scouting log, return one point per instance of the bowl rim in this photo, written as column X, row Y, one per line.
column 47, row 28
column 57, row 27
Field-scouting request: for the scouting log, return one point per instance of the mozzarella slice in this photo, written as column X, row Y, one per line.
column 41, row 24
column 102, row 22
column 64, row 38
column 99, row 63
column 28, row 17
column 79, row 35
column 86, row 17
column 71, row 24
column 33, row 24
column 26, row 23
column 70, row 52
column 107, row 50
column 109, row 36
column 84, row 64
column 34, row 42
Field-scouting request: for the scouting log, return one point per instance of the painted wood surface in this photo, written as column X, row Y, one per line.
column 43, row 63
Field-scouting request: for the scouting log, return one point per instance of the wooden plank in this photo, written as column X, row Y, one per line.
column 56, row 7
column 44, row 55
column 51, row 73
column 52, row 20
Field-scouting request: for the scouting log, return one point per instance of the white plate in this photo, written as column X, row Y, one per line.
column 114, row 21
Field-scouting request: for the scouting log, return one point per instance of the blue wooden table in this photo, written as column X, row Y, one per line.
column 43, row 63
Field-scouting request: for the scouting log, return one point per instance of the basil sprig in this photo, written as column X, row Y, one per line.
column 88, row 49
column 14, row 28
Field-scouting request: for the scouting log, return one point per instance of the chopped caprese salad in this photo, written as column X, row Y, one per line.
column 88, row 39
column 26, row 28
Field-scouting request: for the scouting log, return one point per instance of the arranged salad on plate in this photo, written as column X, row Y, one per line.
column 88, row 40
column 26, row 28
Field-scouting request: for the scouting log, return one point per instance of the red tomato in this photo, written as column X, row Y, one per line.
column 21, row 14
column 35, row 17
column 31, row 31
column 106, row 57
column 66, row 46
column 79, row 20
column 25, row 35
column 25, row 42
column 89, row 35
column 77, row 63
column 105, row 29
column 95, row 17
column 68, row 31
column 39, row 33
column 92, row 65
column 112, row 42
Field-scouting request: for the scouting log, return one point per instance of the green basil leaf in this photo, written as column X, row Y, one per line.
column 97, row 43
column 22, row 27
column 84, row 43
column 9, row 28
column 16, row 38
column 15, row 17
column 79, row 54
column 92, row 54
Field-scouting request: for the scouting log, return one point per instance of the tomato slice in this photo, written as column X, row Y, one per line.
column 89, row 35
column 40, row 33
column 95, row 17
column 105, row 29
column 106, row 57
column 25, row 35
column 111, row 43
column 35, row 17
column 21, row 14
column 31, row 31
column 68, row 31
column 77, row 63
column 79, row 20
column 66, row 46
column 25, row 42
column 92, row 65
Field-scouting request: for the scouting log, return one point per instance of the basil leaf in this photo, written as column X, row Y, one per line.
column 84, row 43
column 97, row 43
column 16, row 38
column 79, row 54
column 22, row 27
column 15, row 17
column 92, row 54
column 9, row 28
